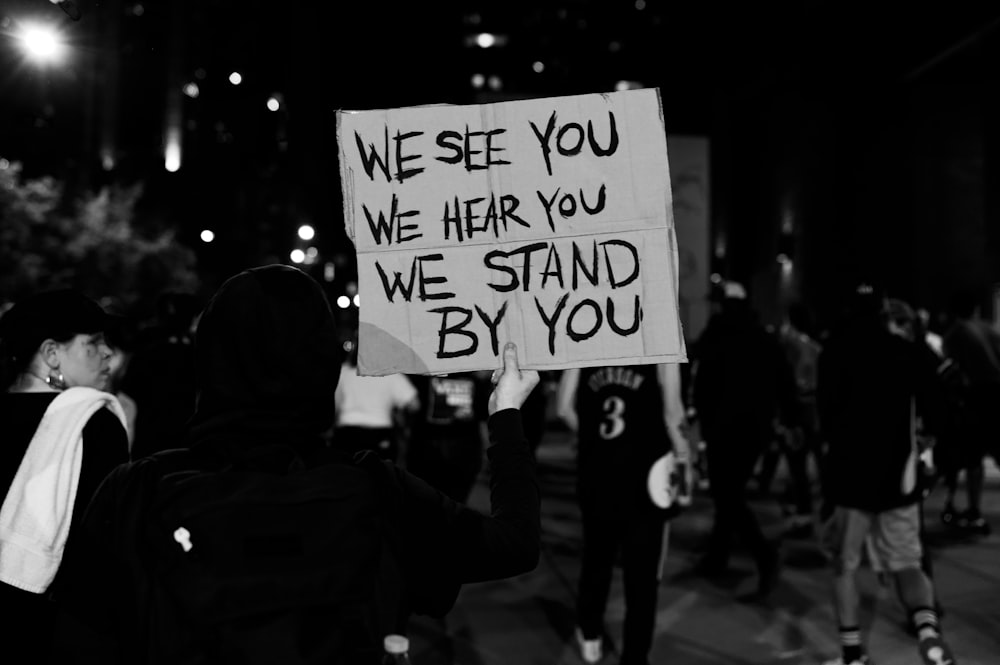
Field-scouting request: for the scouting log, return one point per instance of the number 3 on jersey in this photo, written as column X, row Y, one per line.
column 614, row 422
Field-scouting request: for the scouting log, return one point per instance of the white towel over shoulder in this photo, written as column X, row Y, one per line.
column 36, row 514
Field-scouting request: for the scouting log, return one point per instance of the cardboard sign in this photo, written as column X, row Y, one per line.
column 546, row 222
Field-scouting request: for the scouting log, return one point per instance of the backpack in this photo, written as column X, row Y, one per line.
column 252, row 565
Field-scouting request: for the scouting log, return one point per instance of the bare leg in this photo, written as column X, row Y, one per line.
column 846, row 600
column 914, row 588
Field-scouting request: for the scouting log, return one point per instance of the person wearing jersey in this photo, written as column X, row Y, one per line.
column 627, row 419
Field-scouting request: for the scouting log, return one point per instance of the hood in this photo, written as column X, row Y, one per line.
column 267, row 360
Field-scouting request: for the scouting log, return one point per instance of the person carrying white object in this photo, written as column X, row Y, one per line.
column 62, row 435
column 37, row 511
column 628, row 420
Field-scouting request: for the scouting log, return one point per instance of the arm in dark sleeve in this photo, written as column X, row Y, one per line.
column 448, row 544
column 105, row 446
column 507, row 542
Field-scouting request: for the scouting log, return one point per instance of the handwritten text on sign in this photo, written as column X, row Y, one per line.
column 545, row 222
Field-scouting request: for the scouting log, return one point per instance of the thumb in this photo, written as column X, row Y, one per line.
column 510, row 358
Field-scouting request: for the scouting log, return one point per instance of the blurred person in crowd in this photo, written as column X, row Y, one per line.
column 925, row 325
column 626, row 419
column 872, row 385
column 743, row 383
column 56, row 415
column 120, row 340
column 160, row 375
column 800, row 441
column 448, row 431
column 371, row 409
column 268, row 367
column 974, row 346
column 933, row 424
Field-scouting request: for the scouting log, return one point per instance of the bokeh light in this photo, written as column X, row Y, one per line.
column 42, row 44
column 172, row 151
column 307, row 232
column 236, row 78
column 207, row 235
column 297, row 256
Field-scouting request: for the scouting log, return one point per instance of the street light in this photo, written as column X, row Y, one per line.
column 42, row 44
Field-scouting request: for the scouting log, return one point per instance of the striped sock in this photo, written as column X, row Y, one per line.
column 850, row 643
column 925, row 620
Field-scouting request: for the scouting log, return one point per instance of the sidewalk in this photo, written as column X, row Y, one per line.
column 530, row 619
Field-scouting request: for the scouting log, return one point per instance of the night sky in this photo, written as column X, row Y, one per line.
column 876, row 119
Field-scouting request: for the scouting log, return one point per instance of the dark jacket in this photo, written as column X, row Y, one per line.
column 743, row 379
column 267, row 371
column 872, row 383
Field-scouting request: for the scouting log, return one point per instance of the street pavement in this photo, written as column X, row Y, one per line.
column 529, row 620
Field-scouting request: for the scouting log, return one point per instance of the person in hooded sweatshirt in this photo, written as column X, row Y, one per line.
column 268, row 366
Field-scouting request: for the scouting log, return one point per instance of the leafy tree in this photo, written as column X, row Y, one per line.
column 97, row 245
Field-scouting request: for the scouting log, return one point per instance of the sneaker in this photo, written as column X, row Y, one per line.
column 864, row 660
column 973, row 523
column 935, row 652
column 590, row 650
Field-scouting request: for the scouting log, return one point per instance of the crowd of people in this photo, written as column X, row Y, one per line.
column 125, row 448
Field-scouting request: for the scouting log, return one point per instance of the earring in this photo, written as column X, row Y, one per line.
column 58, row 382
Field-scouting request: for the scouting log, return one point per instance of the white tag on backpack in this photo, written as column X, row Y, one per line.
column 183, row 536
